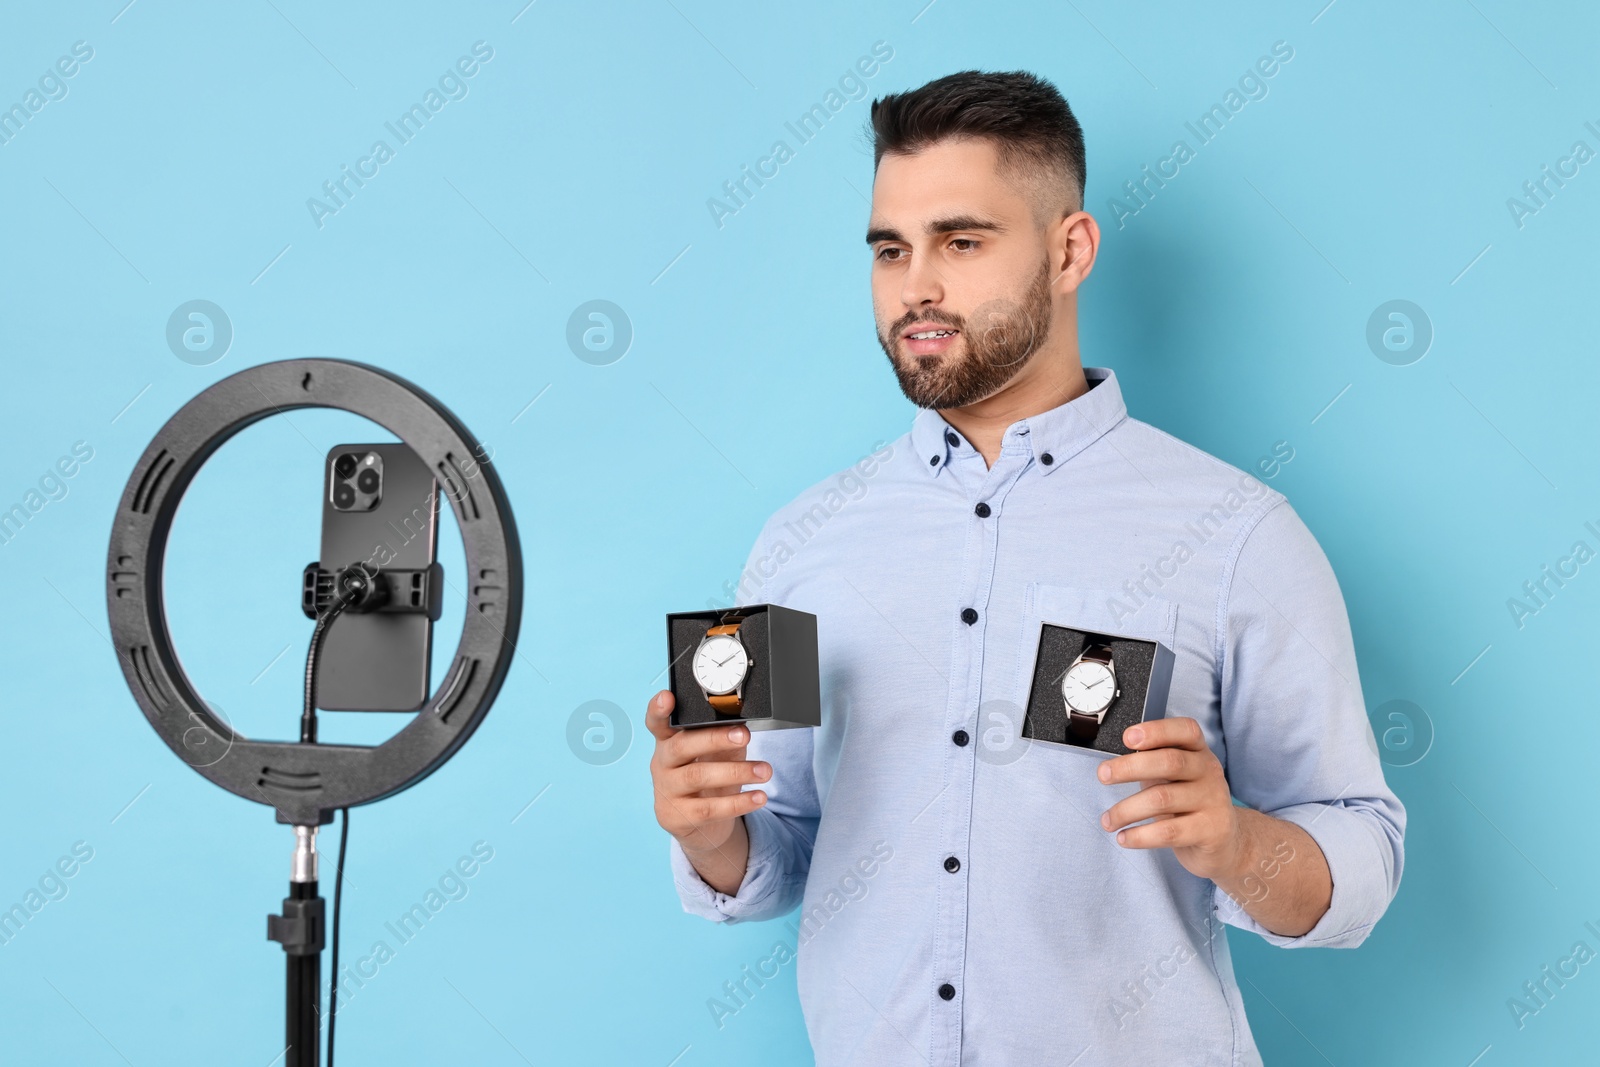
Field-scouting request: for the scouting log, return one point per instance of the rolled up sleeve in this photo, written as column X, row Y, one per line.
column 1298, row 743
column 774, row 879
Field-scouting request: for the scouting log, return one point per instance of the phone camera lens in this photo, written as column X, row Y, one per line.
column 367, row 481
column 344, row 497
column 345, row 465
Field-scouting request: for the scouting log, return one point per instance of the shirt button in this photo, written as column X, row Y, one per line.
column 947, row 992
column 1047, row 459
column 952, row 864
column 933, row 461
column 955, row 442
column 969, row 616
column 960, row 738
column 982, row 510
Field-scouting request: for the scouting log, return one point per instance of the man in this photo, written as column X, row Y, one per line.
column 968, row 897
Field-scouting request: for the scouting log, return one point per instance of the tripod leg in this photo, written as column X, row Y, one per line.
column 303, row 990
column 300, row 930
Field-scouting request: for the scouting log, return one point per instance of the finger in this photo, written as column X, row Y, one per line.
column 698, row 777
column 1181, row 732
column 687, row 814
column 1171, row 764
column 658, row 715
column 705, row 742
column 1176, row 832
column 1167, row 799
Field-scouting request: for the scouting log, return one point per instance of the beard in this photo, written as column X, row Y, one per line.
column 994, row 345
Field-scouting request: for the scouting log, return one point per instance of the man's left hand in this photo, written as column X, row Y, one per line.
column 1185, row 795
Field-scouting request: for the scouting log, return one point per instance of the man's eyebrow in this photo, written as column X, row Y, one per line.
column 964, row 222
column 953, row 224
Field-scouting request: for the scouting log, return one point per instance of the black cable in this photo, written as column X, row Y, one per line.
column 308, row 713
column 348, row 594
column 338, row 894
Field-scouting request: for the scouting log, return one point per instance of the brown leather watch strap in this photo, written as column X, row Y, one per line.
column 1081, row 727
column 1097, row 651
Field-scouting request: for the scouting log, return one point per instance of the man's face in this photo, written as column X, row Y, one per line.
column 961, row 283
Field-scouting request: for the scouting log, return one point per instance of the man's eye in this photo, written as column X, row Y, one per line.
column 888, row 254
column 966, row 244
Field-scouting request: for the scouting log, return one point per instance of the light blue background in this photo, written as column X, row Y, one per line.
column 1233, row 308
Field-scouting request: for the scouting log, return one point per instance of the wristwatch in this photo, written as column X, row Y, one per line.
column 721, row 665
column 1089, row 687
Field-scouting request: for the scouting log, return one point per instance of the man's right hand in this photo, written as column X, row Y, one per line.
column 699, row 775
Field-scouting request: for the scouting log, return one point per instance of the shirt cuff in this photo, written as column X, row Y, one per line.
column 765, row 877
column 1361, row 886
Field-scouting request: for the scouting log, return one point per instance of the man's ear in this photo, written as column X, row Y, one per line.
column 1072, row 243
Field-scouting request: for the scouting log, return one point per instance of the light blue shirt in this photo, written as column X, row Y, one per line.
column 959, row 903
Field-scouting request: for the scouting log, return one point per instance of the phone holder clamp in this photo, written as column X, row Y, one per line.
column 390, row 591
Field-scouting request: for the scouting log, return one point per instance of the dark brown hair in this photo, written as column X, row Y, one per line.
column 1033, row 129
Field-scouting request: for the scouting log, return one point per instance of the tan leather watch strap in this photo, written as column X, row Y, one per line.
column 718, row 631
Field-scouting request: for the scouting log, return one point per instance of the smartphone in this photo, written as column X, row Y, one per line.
column 380, row 506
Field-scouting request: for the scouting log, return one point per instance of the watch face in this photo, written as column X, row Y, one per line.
column 1089, row 688
column 720, row 664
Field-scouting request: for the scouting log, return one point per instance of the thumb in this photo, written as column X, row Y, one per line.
column 657, row 715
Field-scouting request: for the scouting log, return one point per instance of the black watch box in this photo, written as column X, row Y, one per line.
column 783, row 688
column 1144, row 677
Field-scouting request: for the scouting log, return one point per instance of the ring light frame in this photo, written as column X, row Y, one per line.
column 306, row 783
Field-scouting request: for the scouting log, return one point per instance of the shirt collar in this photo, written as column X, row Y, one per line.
column 1050, row 437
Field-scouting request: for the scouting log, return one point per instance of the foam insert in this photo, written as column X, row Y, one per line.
column 691, row 707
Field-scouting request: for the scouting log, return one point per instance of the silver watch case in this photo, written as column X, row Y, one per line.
column 1116, row 690
column 749, row 661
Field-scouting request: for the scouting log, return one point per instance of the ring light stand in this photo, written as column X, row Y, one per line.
column 305, row 782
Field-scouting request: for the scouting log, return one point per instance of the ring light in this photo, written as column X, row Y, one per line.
column 306, row 783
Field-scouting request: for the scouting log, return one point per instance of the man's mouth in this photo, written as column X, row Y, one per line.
column 929, row 340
